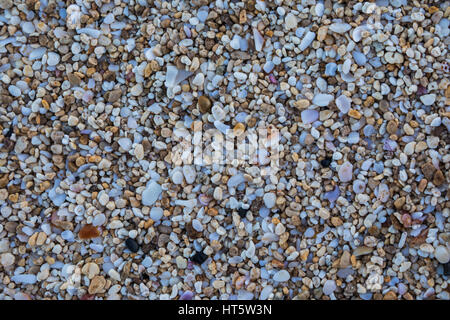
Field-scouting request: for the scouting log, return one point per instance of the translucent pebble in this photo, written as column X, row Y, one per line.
column 202, row 14
column 156, row 213
column 383, row 192
column 442, row 254
column 109, row 18
column 329, row 287
column 269, row 199
column 345, row 172
column 125, row 143
column 259, row 40
column 24, row 278
column 151, row 193
column 309, row 116
column 14, row 91
column 353, row 137
column 281, row 276
column 37, row 53
column 197, row 225
column 265, row 293
column 358, row 186
column 340, row 27
column 307, row 40
column 322, row 99
column 290, row 21
column 330, row 69
column 319, row 9
column 299, row 32
column 268, row 66
column 321, row 84
column 67, row 235
column 99, row 220
column 28, row 27
column 235, row 180
column 369, row 130
column 332, row 195
column 360, row 58
column 53, row 59
column 343, row 103
column 309, row 233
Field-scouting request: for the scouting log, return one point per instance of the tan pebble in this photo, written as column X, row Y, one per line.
column 45, row 104
column 302, row 104
column 420, row 146
column 399, row 202
column 90, row 269
column 390, row 296
column 408, row 129
column 238, row 129
column 139, row 152
column 345, row 260
column 42, row 236
column 32, row 239
column 304, row 254
column 322, row 33
column 242, row 17
column 369, row 101
column 97, row 284
column 336, row 221
column 354, row 114
column 309, row 139
column 94, row 159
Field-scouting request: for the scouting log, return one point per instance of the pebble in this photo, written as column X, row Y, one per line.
column 309, row 116
column 322, row 100
column 428, row 99
column 151, row 194
column 269, row 200
column 156, row 213
column 132, row 245
column 442, row 254
column 290, row 21
column 345, row 172
column 343, row 103
column 329, row 287
column 53, row 59
column 7, row 259
column 281, row 276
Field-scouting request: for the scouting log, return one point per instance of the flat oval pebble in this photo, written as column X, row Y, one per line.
column 281, row 276
column 322, row 99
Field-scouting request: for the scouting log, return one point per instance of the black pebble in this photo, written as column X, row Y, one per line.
column 132, row 245
column 326, row 162
column 199, row 257
column 9, row 132
column 446, row 269
column 242, row 212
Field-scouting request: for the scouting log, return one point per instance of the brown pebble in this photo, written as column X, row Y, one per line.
column 204, row 104
column 428, row 170
column 390, row 296
column 399, row 202
column 439, row 178
column 422, row 185
column 392, row 127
